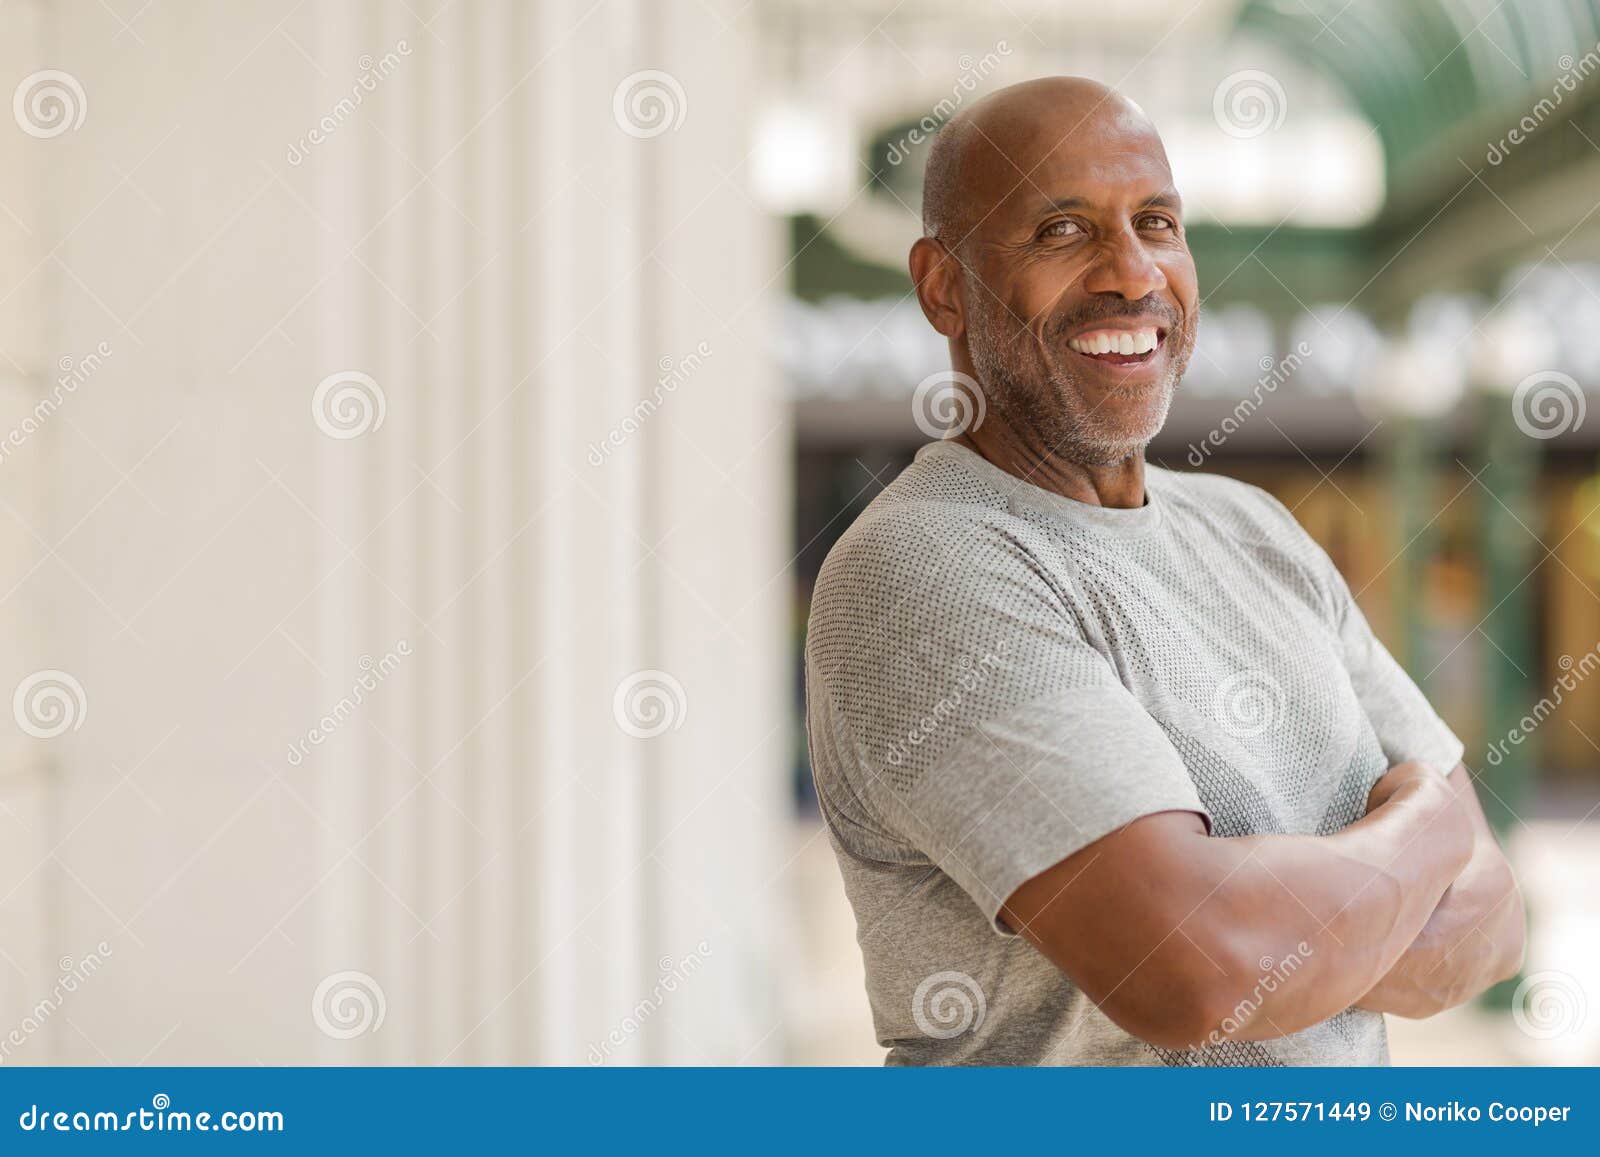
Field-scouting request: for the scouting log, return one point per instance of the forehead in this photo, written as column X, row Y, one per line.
column 1105, row 160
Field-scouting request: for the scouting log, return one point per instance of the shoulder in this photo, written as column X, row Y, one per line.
column 937, row 534
column 1245, row 519
column 1237, row 509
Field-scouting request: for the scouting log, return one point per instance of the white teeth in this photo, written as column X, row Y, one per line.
column 1122, row 342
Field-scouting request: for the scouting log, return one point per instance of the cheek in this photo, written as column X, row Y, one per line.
column 1039, row 291
column 1182, row 281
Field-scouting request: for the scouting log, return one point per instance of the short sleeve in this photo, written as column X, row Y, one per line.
column 1406, row 724
column 957, row 709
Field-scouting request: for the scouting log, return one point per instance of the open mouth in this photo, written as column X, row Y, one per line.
column 1119, row 347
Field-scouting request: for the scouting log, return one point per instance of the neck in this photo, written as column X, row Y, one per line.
column 1117, row 484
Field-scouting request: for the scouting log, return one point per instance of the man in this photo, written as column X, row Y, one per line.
column 1115, row 770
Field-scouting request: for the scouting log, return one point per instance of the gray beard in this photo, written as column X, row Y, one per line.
column 1043, row 406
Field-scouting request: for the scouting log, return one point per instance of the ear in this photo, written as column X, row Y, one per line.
column 936, row 274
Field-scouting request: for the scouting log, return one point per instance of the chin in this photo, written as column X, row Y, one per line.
column 1136, row 429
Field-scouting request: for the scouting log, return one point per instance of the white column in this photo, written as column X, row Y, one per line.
column 506, row 864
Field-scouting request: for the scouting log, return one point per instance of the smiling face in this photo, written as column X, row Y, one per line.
column 1077, row 294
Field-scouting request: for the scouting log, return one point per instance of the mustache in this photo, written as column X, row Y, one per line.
column 1116, row 309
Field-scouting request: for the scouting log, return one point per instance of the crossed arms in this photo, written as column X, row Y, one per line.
column 1172, row 933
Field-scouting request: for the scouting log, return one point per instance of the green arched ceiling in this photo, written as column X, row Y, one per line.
column 1427, row 72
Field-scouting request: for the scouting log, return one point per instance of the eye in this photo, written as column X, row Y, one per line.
column 1062, row 228
column 1155, row 221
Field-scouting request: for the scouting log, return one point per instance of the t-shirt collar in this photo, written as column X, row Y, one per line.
column 1019, row 491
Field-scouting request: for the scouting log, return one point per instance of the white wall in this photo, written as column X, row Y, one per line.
column 479, row 837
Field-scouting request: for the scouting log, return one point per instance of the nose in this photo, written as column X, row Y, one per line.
column 1123, row 266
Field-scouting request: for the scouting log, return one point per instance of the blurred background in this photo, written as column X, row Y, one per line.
column 421, row 424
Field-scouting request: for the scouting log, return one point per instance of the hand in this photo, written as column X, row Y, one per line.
column 1398, row 777
column 1473, row 938
column 1433, row 791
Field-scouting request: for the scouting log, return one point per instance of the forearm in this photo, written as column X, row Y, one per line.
column 1182, row 938
column 1341, row 910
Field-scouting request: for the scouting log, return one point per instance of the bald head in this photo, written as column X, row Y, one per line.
column 988, row 147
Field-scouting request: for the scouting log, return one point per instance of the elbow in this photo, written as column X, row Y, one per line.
column 1193, row 1017
column 1188, row 1002
column 1173, row 1024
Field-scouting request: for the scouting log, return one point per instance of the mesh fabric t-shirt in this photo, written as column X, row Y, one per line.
column 998, row 676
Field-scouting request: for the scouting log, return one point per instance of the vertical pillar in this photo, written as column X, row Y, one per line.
column 1507, row 509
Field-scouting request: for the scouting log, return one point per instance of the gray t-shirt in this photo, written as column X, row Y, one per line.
column 998, row 676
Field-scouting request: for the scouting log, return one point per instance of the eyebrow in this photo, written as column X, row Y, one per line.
column 1166, row 199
